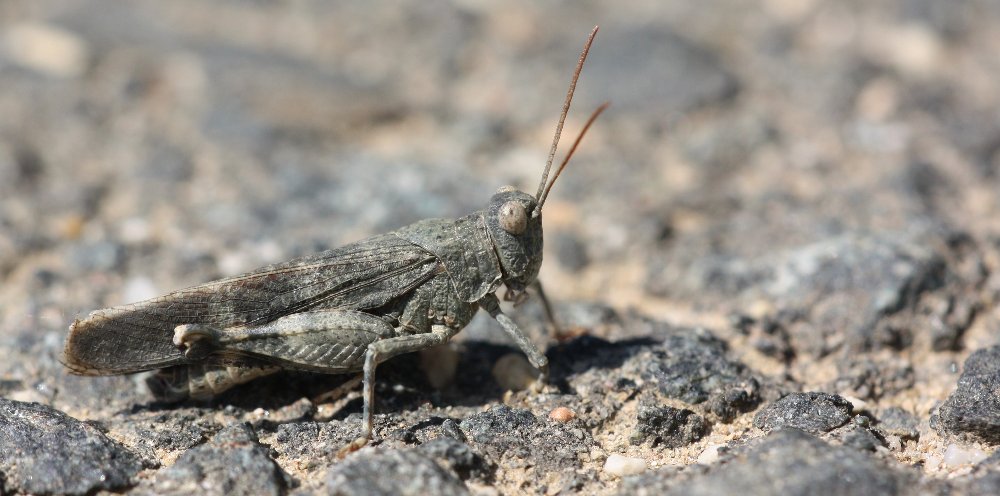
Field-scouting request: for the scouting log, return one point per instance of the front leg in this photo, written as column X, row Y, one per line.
column 537, row 359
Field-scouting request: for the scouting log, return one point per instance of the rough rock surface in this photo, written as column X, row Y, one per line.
column 813, row 412
column 233, row 462
column 787, row 461
column 45, row 451
column 974, row 407
column 516, row 437
column 784, row 197
column 671, row 427
column 402, row 472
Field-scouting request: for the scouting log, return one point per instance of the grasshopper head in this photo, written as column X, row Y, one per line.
column 514, row 221
column 516, row 232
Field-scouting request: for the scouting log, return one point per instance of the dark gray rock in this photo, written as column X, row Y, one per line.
column 692, row 366
column 668, row 426
column 392, row 472
column 859, row 434
column 232, row 463
column 871, row 379
column 517, row 437
column 974, row 408
column 985, row 485
column 812, row 412
column 460, row 457
column 791, row 462
column 148, row 435
column 314, row 444
column 899, row 422
column 45, row 451
column 820, row 282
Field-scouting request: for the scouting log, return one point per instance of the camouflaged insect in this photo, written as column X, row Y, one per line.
column 341, row 311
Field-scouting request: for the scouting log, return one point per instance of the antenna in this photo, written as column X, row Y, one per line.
column 593, row 117
column 562, row 118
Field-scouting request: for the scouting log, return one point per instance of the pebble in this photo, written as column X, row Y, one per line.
column 621, row 466
column 710, row 455
column 562, row 414
column 955, row 455
column 45, row 48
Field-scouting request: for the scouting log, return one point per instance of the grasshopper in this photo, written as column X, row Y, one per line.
column 341, row 311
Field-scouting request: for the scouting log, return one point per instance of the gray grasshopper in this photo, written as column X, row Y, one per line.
column 341, row 311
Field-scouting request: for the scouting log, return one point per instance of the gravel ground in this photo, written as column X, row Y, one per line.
column 775, row 259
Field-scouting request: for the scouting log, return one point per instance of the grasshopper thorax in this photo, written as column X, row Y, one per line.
column 516, row 234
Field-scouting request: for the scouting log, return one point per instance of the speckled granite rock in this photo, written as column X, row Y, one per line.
column 517, row 437
column 44, row 451
column 404, row 472
column 789, row 462
column 668, row 426
column 974, row 407
column 813, row 412
column 232, row 462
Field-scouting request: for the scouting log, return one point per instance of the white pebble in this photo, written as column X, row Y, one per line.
column 45, row 48
column 956, row 455
column 710, row 455
column 621, row 466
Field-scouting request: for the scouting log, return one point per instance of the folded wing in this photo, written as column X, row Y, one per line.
column 139, row 336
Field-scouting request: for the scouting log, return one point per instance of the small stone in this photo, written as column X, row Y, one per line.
column 506, row 434
column 710, row 455
column 46, row 48
column 458, row 456
column 562, row 414
column 669, row 426
column 620, row 466
column 974, row 407
column 692, row 366
column 397, row 472
column 955, row 455
column 231, row 463
column 813, row 412
column 791, row 462
column 899, row 422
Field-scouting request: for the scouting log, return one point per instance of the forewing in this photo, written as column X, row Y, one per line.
column 139, row 336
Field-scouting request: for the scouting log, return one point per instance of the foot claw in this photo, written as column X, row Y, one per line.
column 352, row 447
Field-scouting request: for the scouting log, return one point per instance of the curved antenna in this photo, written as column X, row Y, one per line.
column 579, row 137
column 565, row 110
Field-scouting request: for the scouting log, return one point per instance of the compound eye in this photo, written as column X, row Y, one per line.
column 513, row 218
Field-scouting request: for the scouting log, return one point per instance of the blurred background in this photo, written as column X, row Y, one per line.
column 828, row 167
